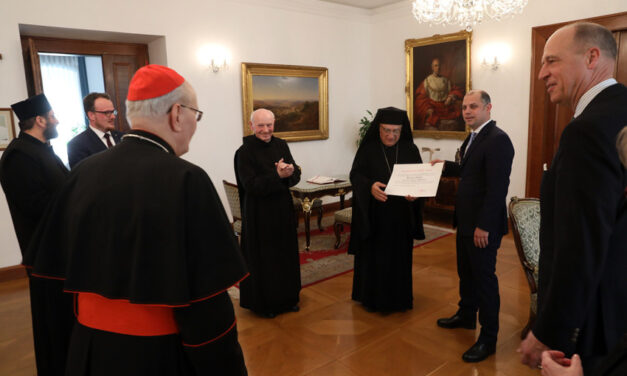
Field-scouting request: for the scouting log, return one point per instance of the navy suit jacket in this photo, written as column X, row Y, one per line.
column 484, row 179
column 87, row 143
column 582, row 290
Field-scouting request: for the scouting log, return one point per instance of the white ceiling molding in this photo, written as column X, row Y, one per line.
column 365, row 4
column 315, row 7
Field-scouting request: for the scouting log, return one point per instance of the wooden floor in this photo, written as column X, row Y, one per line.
column 332, row 335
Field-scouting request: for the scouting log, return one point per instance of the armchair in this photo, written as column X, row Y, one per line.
column 525, row 216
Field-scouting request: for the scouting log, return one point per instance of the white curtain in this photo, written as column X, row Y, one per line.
column 62, row 86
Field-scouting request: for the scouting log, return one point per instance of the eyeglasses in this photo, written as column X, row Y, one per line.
column 198, row 112
column 391, row 131
column 107, row 113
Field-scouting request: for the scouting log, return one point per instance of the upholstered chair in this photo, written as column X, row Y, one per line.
column 341, row 217
column 525, row 216
column 232, row 196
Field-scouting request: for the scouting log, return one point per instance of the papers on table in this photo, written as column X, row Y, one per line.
column 318, row 179
column 417, row 180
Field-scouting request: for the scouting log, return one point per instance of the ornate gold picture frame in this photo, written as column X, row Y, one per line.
column 438, row 77
column 7, row 127
column 298, row 96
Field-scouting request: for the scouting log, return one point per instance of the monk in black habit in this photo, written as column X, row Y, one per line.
column 31, row 173
column 265, row 170
column 384, row 227
column 141, row 237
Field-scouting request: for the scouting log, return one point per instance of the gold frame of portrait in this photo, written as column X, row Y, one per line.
column 7, row 113
column 253, row 69
column 410, row 45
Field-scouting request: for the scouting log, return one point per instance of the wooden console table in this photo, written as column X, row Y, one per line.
column 307, row 192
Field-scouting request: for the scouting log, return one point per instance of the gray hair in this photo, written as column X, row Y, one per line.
column 588, row 34
column 485, row 97
column 156, row 107
column 252, row 115
column 621, row 146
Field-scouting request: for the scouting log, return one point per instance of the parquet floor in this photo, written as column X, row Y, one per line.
column 332, row 335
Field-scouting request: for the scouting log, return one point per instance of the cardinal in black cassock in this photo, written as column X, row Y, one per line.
column 383, row 227
column 141, row 237
column 269, row 240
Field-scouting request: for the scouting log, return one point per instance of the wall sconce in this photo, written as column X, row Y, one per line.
column 494, row 55
column 214, row 56
column 494, row 65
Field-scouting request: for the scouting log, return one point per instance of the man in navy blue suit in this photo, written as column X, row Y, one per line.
column 100, row 134
column 481, row 221
column 582, row 284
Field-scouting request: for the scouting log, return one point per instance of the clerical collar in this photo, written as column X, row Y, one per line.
column 33, row 139
column 149, row 138
column 589, row 95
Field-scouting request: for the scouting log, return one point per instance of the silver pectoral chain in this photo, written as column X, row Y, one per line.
column 387, row 163
column 147, row 139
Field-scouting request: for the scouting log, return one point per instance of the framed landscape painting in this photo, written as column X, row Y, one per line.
column 438, row 77
column 7, row 128
column 297, row 95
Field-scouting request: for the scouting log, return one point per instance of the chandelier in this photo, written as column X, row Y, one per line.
column 465, row 12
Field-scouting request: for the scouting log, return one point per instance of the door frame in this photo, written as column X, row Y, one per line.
column 32, row 45
column 543, row 132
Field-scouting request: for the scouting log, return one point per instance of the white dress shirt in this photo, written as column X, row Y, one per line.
column 101, row 136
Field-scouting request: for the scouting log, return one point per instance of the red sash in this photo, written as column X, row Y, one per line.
column 121, row 316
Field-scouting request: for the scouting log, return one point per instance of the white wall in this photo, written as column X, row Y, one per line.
column 362, row 49
column 297, row 32
column 508, row 86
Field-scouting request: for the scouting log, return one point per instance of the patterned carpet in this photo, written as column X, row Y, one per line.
column 323, row 262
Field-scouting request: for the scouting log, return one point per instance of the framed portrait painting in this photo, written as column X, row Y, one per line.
column 438, row 77
column 297, row 95
column 7, row 127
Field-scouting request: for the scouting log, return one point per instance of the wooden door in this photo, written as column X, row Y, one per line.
column 548, row 120
column 119, row 63
column 118, row 71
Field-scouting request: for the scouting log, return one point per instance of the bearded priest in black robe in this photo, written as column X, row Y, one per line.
column 265, row 170
column 31, row 174
column 384, row 227
column 141, row 237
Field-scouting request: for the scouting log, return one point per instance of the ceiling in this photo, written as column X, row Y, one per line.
column 365, row 4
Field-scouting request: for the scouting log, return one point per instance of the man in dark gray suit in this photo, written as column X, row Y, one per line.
column 100, row 134
column 481, row 220
column 582, row 289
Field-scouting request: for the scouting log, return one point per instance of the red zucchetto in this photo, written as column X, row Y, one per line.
column 152, row 81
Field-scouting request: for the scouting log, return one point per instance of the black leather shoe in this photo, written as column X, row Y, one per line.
column 456, row 321
column 267, row 315
column 478, row 352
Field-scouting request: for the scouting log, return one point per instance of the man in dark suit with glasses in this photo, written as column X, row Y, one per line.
column 100, row 134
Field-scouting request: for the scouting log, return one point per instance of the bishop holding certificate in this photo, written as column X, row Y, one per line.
column 384, row 226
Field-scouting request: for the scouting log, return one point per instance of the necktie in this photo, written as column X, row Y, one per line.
column 107, row 138
column 472, row 138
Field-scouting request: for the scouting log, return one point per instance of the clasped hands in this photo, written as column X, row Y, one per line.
column 285, row 170
column 379, row 194
column 535, row 354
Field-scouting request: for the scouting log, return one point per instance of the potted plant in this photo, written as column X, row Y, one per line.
column 365, row 124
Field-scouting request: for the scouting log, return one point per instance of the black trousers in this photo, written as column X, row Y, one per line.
column 478, row 285
column 52, row 312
